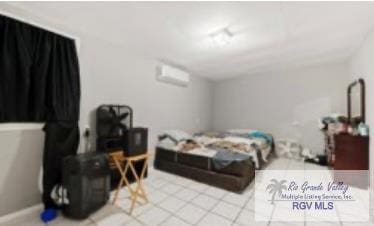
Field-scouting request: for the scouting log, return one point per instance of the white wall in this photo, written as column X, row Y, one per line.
column 21, row 158
column 109, row 74
column 286, row 103
column 362, row 66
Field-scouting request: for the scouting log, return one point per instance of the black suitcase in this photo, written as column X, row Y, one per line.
column 87, row 181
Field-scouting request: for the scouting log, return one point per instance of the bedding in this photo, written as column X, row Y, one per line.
column 176, row 136
column 223, row 159
column 222, row 147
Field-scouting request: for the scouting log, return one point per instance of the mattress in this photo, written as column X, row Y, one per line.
column 225, row 160
column 221, row 180
column 211, row 144
column 236, row 168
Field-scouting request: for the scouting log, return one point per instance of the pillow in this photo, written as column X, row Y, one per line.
column 240, row 131
column 177, row 135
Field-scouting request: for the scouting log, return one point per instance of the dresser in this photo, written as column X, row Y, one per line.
column 351, row 155
column 348, row 153
column 351, row 152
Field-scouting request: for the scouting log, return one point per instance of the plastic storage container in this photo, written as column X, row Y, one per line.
column 86, row 178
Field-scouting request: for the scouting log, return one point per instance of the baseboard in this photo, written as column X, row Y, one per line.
column 14, row 215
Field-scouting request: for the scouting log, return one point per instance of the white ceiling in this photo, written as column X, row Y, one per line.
column 267, row 35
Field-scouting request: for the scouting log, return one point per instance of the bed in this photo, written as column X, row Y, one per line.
column 226, row 160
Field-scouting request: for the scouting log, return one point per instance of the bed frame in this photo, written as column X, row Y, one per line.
column 236, row 177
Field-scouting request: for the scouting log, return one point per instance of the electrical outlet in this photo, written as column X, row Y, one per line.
column 87, row 132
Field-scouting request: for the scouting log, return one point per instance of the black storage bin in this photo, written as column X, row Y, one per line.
column 87, row 180
column 135, row 141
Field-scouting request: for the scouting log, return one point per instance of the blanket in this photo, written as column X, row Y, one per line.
column 224, row 148
column 224, row 157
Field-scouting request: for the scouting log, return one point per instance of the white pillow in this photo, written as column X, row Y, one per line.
column 240, row 131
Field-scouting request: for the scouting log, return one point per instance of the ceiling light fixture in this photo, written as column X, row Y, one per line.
column 222, row 37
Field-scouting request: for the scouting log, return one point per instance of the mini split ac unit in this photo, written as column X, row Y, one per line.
column 172, row 75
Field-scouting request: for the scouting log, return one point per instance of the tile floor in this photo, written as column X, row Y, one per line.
column 177, row 201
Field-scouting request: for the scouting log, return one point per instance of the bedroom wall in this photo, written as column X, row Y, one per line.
column 116, row 77
column 286, row 103
column 361, row 66
column 109, row 74
column 21, row 158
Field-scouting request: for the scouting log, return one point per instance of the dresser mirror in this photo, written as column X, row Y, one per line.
column 356, row 102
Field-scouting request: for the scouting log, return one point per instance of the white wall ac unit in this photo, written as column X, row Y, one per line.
column 169, row 74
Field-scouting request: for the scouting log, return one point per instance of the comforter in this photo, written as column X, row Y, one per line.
column 223, row 148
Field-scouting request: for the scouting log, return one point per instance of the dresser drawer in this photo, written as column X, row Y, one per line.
column 351, row 152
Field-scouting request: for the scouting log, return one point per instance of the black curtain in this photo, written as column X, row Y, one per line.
column 39, row 82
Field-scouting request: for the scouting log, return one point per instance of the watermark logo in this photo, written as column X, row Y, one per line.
column 276, row 187
column 297, row 195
